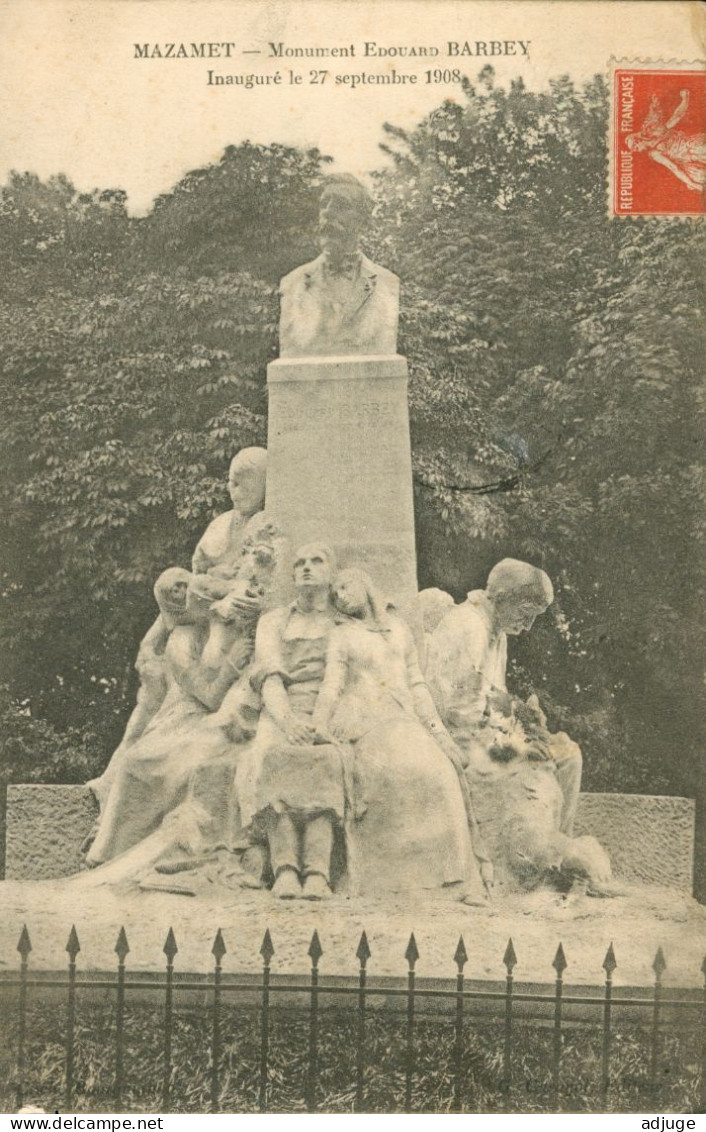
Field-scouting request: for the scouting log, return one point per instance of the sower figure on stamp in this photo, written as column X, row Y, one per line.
column 524, row 780
column 292, row 783
column 684, row 154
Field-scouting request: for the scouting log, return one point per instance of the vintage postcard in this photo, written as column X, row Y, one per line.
column 352, row 557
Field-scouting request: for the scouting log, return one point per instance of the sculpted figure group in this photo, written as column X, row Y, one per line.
column 301, row 745
column 289, row 734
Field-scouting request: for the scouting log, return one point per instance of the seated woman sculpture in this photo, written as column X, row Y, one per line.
column 219, row 555
column 170, row 595
column 259, row 579
column 186, row 761
column 217, row 560
column 153, row 773
column 415, row 827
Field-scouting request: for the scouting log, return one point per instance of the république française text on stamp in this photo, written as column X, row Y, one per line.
column 657, row 139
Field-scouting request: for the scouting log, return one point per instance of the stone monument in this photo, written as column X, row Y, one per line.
column 338, row 404
column 229, row 740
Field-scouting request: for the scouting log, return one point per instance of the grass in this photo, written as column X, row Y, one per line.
column 677, row 1090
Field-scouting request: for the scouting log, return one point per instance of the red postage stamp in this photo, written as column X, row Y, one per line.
column 658, row 139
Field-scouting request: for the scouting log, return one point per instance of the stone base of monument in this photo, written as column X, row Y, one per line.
column 650, row 840
column 636, row 924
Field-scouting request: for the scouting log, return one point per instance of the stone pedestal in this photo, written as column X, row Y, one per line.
column 650, row 840
column 339, row 464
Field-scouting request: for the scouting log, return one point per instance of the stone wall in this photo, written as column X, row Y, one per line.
column 649, row 839
column 45, row 828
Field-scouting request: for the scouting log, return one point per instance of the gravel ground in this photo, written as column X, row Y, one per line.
column 637, row 924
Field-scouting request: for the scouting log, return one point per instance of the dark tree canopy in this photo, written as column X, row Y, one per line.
column 555, row 395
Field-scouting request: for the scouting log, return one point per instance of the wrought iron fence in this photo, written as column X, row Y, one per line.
column 409, row 995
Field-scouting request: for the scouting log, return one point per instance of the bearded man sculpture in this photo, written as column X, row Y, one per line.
column 524, row 780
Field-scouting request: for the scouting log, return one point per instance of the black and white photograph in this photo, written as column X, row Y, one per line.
column 352, row 556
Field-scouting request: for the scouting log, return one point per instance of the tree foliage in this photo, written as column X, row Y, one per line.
column 555, row 363
column 128, row 376
column 577, row 343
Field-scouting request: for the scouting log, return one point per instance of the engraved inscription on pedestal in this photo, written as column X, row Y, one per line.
column 343, row 424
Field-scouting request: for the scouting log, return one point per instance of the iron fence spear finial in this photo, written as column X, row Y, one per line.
column 170, row 946
column 24, row 945
column 73, row 946
column 122, row 947
column 659, row 964
column 412, row 952
column 363, row 951
column 460, row 954
column 559, row 962
column 267, row 949
column 315, row 949
column 219, row 947
column 610, row 962
column 510, row 958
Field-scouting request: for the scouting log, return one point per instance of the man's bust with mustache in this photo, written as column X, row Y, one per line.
column 341, row 302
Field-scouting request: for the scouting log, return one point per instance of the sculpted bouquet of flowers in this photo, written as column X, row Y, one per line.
column 519, row 728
